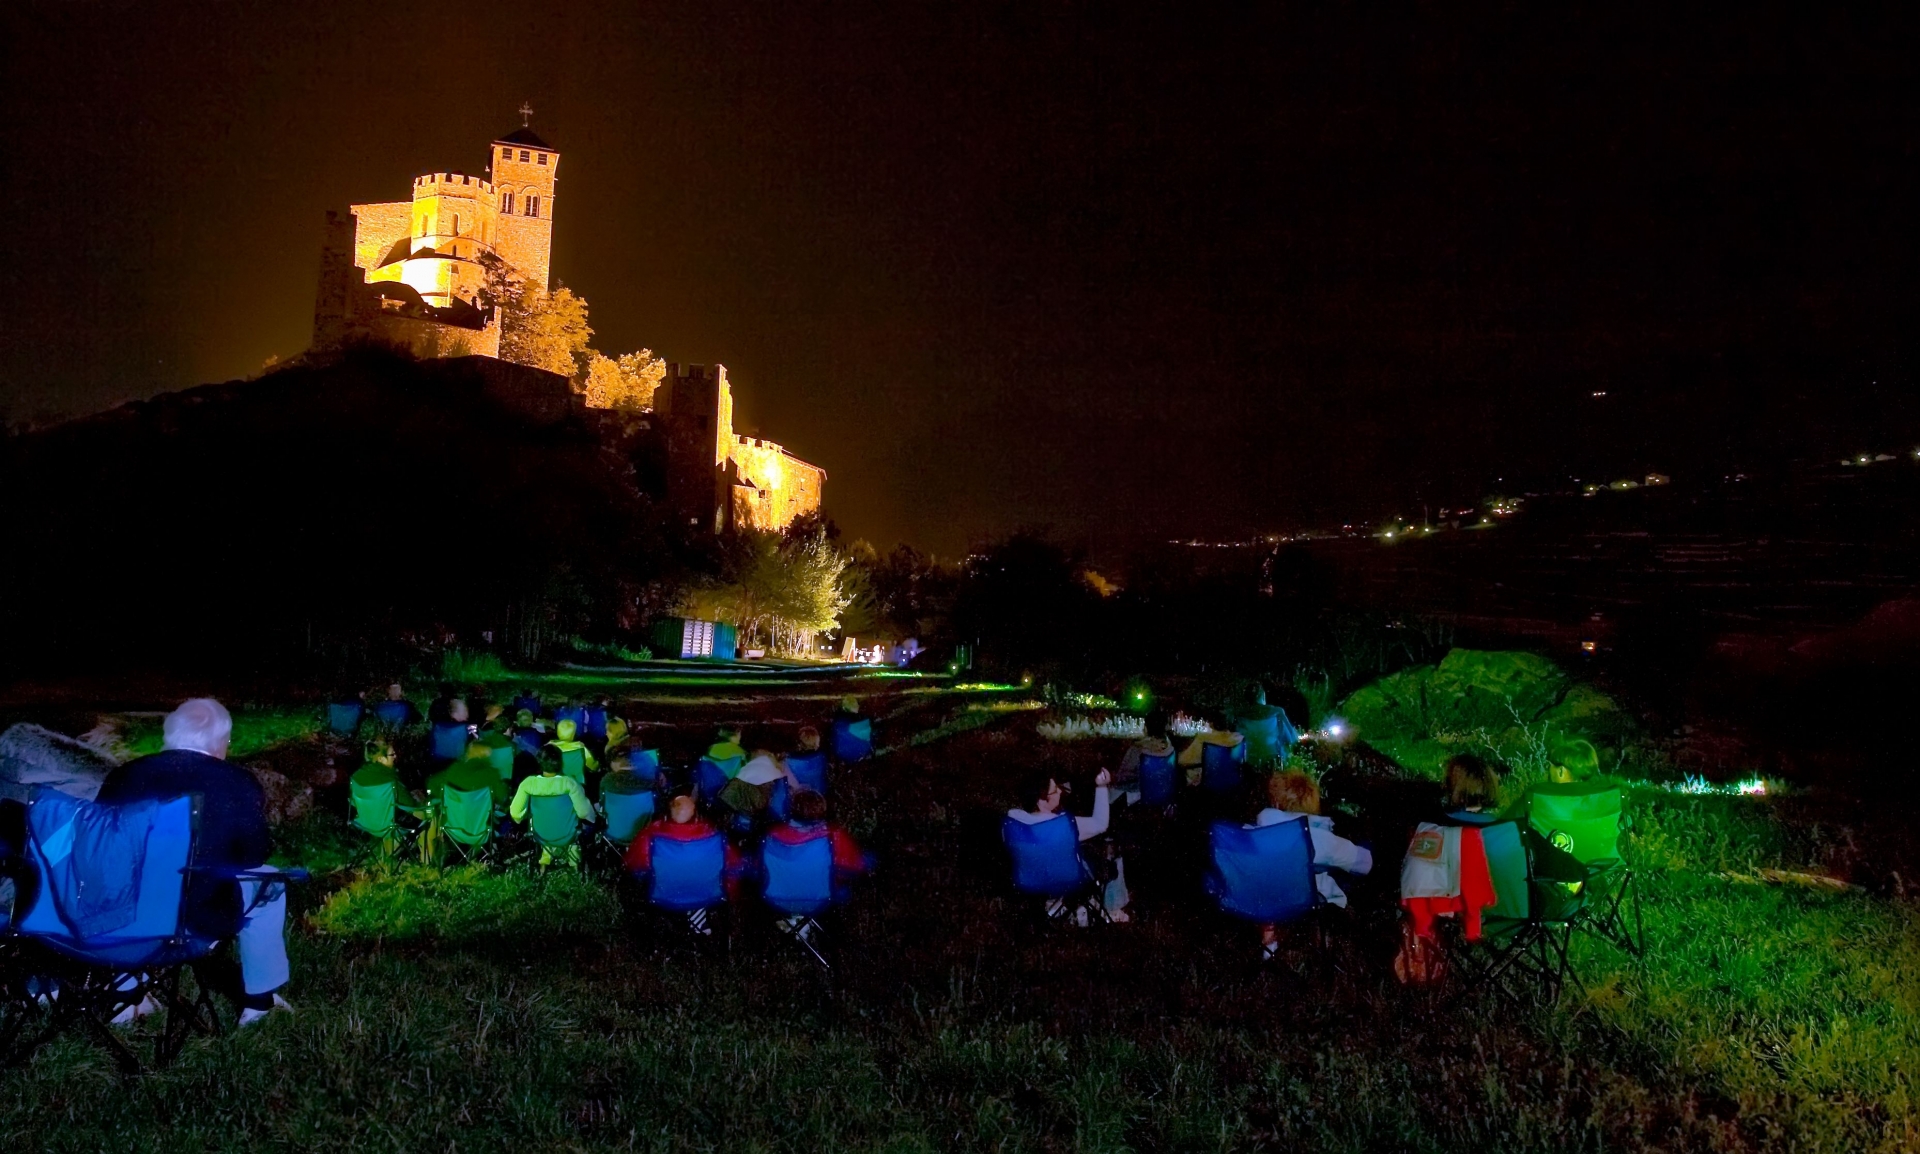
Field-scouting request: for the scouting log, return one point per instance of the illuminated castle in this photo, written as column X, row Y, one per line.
column 410, row 272
column 717, row 477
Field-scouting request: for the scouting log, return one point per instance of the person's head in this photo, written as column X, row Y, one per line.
column 1039, row 792
column 549, row 763
column 524, row 718
column 619, row 763
column 809, row 739
column 1293, row 792
column 808, row 807
column 1471, row 782
column 566, row 730
column 479, row 751
column 494, row 711
column 681, row 810
column 380, row 750
column 457, row 710
column 1259, row 694
column 1156, row 722
column 729, row 734
column 849, row 704
column 396, row 692
column 200, row 724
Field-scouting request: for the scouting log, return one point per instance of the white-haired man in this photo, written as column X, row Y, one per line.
column 232, row 835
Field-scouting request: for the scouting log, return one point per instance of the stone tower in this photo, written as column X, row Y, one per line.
column 523, row 170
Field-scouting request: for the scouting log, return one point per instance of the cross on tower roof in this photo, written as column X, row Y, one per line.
column 526, row 113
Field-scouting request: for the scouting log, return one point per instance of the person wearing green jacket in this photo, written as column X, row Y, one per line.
column 727, row 751
column 474, row 771
column 566, row 746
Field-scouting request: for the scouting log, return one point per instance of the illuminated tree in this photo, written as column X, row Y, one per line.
column 626, row 384
column 783, row 588
column 547, row 330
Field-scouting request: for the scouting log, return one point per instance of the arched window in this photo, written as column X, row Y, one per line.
column 533, row 205
column 506, row 202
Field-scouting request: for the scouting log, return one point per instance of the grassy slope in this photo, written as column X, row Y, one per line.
column 488, row 1012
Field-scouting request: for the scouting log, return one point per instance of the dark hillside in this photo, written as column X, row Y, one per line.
column 319, row 507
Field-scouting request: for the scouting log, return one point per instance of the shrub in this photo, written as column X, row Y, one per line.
column 1517, row 707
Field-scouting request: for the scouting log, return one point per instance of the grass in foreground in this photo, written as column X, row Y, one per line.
column 504, row 1011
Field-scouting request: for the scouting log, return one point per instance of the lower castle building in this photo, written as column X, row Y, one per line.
column 716, row 476
column 412, row 274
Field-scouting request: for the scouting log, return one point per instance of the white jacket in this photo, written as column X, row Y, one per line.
column 1329, row 849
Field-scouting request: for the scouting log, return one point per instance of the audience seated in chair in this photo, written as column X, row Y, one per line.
column 1473, row 788
column 396, row 712
column 751, row 789
column 726, row 750
column 808, row 866
column 683, row 824
column 474, row 770
column 1294, row 795
column 379, row 769
column 627, row 797
column 549, row 782
column 1147, row 765
column 575, row 758
column 1041, row 796
column 232, row 836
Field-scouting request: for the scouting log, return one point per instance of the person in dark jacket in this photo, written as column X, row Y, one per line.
column 232, row 834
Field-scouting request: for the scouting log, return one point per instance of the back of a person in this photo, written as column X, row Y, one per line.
column 469, row 773
column 232, row 826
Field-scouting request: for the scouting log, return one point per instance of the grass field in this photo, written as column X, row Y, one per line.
column 478, row 1010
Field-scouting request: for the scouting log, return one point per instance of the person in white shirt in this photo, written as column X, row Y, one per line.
column 1042, row 795
column 1294, row 796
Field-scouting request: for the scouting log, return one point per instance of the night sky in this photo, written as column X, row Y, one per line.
column 1124, row 273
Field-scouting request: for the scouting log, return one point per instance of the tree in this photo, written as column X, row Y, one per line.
column 547, row 330
column 625, row 384
column 780, row 587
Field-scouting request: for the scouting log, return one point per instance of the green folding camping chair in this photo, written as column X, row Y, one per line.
column 376, row 813
column 555, row 829
column 1539, row 893
column 463, row 818
column 1585, row 819
column 573, row 763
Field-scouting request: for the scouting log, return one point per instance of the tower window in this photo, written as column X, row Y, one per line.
column 506, row 202
column 506, row 154
column 523, row 156
column 456, row 225
column 533, row 205
column 542, row 157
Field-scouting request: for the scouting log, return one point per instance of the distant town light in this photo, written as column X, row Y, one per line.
column 1588, row 646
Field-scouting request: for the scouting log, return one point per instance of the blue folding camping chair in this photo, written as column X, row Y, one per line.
column 393, row 714
column 1220, row 773
column 107, row 919
column 710, row 777
column 799, row 887
column 852, row 740
column 343, row 717
column 1047, row 864
column 594, row 723
column 627, row 814
column 689, row 877
column 574, row 713
column 1263, row 875
column 450, row 740
column 810, row 770
column 1157, row 779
